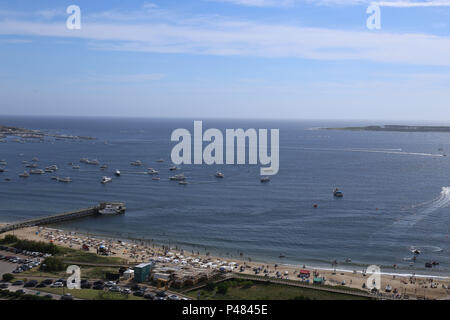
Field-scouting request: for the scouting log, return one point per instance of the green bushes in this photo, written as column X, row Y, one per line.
column 8, row 239
column 222, row 288
column 7, row 277
column 37, row 246
column 52, row 264
column 20, row 296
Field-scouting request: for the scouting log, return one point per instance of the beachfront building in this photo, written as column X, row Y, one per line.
column 142, row 271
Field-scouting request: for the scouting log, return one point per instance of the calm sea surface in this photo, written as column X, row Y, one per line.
column 396, row 187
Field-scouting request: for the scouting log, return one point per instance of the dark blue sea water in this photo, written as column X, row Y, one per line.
column 396, row 187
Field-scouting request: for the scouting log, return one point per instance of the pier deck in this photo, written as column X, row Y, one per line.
column 71, row 215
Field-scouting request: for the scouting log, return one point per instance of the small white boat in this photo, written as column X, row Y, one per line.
column 156, row 178
column 76, row 167
column 35, row 159
column 37, row 171
column 136, row 163
column 117, row 173
column 65, row 180
column 178, row 177
column 106, row 180
column 160, row 160
column 24, row 175
column 152, row 171
column 219, row 174
column 183, row 182
column 104, row 166
column 173, row 168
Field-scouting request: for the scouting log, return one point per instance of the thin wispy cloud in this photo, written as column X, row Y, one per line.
column 260, row 3
column 247, row 38
column 412, row 4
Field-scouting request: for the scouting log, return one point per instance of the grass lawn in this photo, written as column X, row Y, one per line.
column 253, row 290
column 88, row 257
column 90, row 294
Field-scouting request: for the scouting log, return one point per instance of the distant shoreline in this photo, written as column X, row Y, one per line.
column 395, row 128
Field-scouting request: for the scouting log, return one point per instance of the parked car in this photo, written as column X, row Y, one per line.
column 4, row 285
column 98, row 287
column 47, row 281
column 17, row 283
column 41, row 285
column 20, row 291
column 30, row 284
column 67, row 296
column 139, row 293
column 149, row 296
column 57, row 284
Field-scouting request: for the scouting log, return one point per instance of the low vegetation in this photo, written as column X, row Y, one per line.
column 90, row 294
column 9, row 295
column 239, row 289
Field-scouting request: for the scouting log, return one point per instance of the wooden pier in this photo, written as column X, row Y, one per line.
column 60, row 217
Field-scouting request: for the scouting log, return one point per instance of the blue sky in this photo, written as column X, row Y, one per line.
column 301, row 59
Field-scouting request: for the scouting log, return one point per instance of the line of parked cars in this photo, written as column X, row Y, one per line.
column 23, row 264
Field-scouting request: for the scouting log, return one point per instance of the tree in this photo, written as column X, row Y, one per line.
column 7, row 277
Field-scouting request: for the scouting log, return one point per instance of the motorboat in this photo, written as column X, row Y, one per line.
column 35, row 159
column 24, row 175
column 160, row 160
column 178, row 177
column 173, row 168
column 183, row 182
column 65, row 180
column 117, row 173
column 76, row 167
column 152, row 171
column 37, row 171
column 415, row 251
column 156, row 178
column 337, row 193
column 104, row 166
column 2, row 169
column 106, row 180
column 265, row 179
column 219, row 174
column 136, row 163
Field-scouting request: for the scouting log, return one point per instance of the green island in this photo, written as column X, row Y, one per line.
column 395, row 128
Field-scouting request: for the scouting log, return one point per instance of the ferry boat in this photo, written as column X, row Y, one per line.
column 219, row 174
column 337, row 193
column 106, row 180
column 112, row 209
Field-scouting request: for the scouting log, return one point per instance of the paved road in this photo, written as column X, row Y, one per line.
column 6, row 267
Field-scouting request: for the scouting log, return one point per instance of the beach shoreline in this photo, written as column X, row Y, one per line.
column 135, row 251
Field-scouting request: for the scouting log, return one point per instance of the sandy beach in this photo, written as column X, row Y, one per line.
column 133, row 251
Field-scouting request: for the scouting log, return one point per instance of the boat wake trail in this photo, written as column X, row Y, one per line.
column 426, row 209
column 418, row 213
column 385, row 151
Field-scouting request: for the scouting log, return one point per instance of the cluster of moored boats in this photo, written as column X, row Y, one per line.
column 34, row 169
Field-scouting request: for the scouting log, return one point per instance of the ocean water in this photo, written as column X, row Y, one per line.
column 396, row 192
